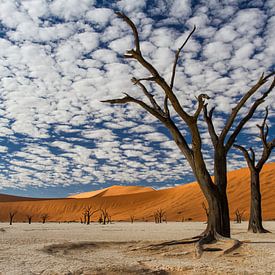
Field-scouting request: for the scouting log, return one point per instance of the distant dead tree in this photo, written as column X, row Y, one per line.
column 132, row 218
column 159, row 215
column 214, row 189
column 29, row 217
column 105, row 216
column 206, row 210
column 88, row 213
column 255, row 224
column 100, row 219
column 12, row 214
column 238, row 215
column 44, row 217
column 84, row 214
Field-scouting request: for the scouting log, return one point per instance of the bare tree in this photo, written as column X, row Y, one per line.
column 44, row 217
column 255, row 219
column 29, row 217
column 238, row 215
column 84, row 214
column 88, row 213
column 214, row 190
column 100, row 219
column 12, row 214
column 132, row 218
column 105, row 216
column 159, row 215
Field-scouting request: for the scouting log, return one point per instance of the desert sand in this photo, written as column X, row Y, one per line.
column 125, row 248
column 183, row 202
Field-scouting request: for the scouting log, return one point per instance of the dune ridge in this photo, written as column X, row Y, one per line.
column 114, row 190
column 181, row 202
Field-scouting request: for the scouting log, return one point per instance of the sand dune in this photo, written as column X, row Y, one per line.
column 114, row 190
column 181, row 202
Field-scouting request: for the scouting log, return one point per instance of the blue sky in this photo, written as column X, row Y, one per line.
column 59, row 58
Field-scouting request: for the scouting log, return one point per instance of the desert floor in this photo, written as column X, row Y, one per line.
column 124, row 248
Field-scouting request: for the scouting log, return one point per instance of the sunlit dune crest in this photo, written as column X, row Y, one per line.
column 180, row 203
column 114, row 190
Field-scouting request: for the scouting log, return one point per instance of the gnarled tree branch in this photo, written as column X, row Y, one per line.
column 241, row 103
column 210, row 125
column 250, row 113
column 133, row 27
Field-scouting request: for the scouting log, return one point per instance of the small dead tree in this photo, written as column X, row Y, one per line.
column 206, row 210
column 238, row 215
column 12, row 214
column 88, row 214
column 255, row 224
column 29, row 217
column 44, row 217
column 105, row 216
column 132, row 218
column 159, row 215
column 214, row 190
column 84, row 214
column 100, row 219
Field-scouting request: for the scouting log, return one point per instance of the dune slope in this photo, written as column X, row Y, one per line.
column 181, row 202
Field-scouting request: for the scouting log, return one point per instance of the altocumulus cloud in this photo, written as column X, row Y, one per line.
column 59, row 58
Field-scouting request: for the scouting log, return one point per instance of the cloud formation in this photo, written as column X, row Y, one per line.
column 58, row 59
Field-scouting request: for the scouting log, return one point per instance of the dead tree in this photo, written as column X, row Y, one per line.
column 132, row 218
column 213, row 190
column 29, row 217
column 105, row 216
column 12, row 214
column 255, row 219
column 206, row 210
column 159, row 215
column 44, row 217
column 100, row 219
column 238, row 215
column 88, row 213
column 84, row 214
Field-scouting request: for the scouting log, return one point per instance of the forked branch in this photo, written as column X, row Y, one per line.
column 246, row 155
column 134, row 29
column 263, row 79
column 250, row 113
column 210, row 125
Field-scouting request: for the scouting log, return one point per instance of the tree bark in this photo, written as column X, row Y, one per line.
column 218, row 218
column 255, row 220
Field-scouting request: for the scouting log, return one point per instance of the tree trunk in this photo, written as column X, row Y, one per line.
column 218, row 218
column 255, row 219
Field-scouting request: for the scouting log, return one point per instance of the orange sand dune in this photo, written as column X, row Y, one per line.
column 113, row 191
column 181, row 202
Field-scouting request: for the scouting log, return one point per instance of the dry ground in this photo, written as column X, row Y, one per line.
column 124, row 248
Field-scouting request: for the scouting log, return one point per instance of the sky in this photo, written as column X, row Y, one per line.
column 59, row 59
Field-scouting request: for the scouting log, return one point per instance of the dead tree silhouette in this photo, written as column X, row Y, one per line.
column 159, row 215
column 218, row 226
column 255, row 224
column 84, row 214
column 44, row 217
column 132, row 218
column 29, row 217
column 238, row 215
column 88, row 213
column 105, row 216
column 11, row 215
